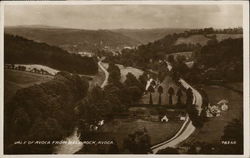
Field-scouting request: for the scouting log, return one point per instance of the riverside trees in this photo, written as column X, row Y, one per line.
column 43, row 112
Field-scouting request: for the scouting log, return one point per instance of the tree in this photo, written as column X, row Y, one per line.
column 171, row 93
column 114, row 74
column 179, row 95
column 181, row 67
column 151, row 90
column 171, row 59
column 138, row 142
column 46, row 129
column 189, row 94
column 96, row 94
column 143, row 80
column 160, row 91
column 21, row 121
column 135, row 93
column 181, row 58
column 131, row 80
column 153, row 83
column 193, row 115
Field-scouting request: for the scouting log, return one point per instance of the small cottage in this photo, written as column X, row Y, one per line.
column 164, row 118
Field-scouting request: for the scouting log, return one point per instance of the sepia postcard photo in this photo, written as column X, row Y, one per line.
column 125, row 78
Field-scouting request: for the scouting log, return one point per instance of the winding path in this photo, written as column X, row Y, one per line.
column 105, row 82
column 187, row 128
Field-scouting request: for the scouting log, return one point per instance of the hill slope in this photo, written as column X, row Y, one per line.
column 148, row 55
column 74, row 40
column 148, row 35
column 218, row 62
column 202, row 39
column 18, row 50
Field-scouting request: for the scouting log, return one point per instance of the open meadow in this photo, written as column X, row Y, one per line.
column 140, row 118
column 125, row 70
column 14, row 80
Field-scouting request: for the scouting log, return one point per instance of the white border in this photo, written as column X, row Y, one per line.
column 246, row 95
column 89, row 2
column 246, row 115
column 1, row 75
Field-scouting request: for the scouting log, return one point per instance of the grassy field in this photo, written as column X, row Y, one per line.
column 201, row 39
column 125, row 70
column 29, row 67
column 158, row 131
column 193, row 39
column 119, row 129
column 14, row 80
column 214, row 128
column 168, row 82
column 236, row 86
column 97, row 79
column 221, row 37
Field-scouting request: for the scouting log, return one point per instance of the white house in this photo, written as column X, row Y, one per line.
column 182, row 118
column 224, row 104
column 164, row 118
column 101, row 122
column 86, row 54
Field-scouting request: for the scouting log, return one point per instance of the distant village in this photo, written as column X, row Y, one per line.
column 113, row 51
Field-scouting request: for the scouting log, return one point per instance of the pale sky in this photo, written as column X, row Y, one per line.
column 125, row 16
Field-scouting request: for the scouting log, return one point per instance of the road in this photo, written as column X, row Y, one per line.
column 187, row 128
column 105, row 82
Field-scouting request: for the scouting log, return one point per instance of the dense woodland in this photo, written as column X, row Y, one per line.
column 44, row 112
column 18, row 50
column 217, row 61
